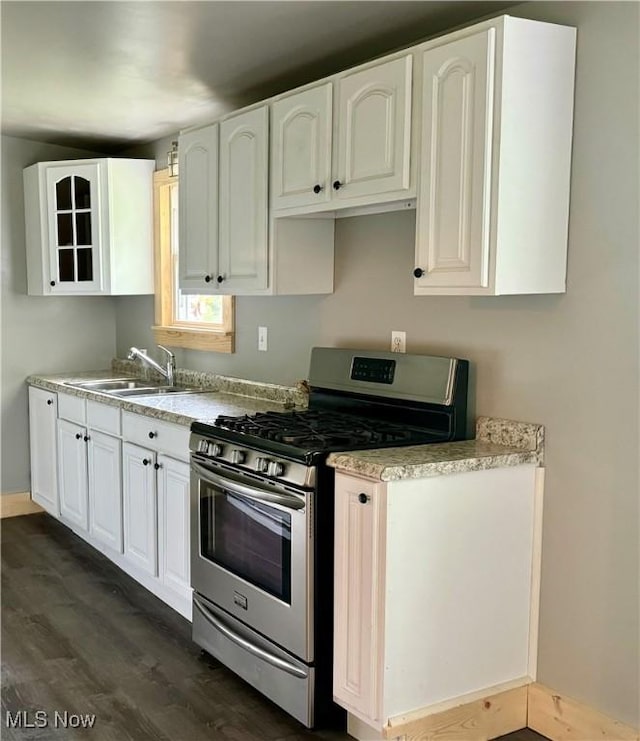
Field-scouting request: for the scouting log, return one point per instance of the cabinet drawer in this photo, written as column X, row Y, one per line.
column 72, row 408
column 103, row 417
column 161, row 436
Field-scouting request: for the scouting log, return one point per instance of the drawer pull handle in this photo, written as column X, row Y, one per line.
column 145, row 461
column 87, row 438
column 49, row 402
column 157, row 465
column 153, row 434
column 78, row 435
column 363, row 498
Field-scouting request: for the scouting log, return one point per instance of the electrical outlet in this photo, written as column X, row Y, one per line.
column 398, row 341
column 262, row 339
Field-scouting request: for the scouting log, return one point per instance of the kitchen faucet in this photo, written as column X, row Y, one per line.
column 169, row 372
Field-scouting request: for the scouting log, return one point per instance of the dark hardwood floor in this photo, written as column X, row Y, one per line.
column 80, row 636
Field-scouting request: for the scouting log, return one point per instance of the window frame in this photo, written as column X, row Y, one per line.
column 167, row 329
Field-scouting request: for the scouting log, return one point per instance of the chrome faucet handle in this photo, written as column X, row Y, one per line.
column 169, row 353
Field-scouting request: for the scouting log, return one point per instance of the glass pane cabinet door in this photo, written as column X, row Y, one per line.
column 73, row 194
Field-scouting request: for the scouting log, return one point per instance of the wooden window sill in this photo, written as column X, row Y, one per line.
column 194, row 339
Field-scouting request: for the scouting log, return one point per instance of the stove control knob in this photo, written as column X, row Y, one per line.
column 276, row 468
column 214, row 449
column 203, row 446
column 238, row 456
column 262, row 465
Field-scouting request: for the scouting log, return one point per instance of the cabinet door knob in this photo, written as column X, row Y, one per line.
column 87, row 438
column 207, row 279
column 157, row 466
column 52, row 282
column 363, row 498
column 220, row 278
column 49, row 402
column 78, row 436
column 153, row 434
column 418, row 273
column 337, row 185
column 145, row 461
column 317, row 189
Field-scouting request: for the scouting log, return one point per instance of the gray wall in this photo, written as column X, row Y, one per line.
column 38, row 333
column 569, row 362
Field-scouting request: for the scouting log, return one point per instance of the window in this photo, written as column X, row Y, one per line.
column 196, row 322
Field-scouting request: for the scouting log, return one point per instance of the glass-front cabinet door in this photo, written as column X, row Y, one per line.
column 73, row 202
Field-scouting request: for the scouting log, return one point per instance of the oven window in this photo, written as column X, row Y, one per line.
column 248, row 538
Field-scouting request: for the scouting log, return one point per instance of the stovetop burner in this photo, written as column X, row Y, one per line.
column 318, row 429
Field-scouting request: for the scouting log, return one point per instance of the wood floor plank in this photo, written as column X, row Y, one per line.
column 80, row 635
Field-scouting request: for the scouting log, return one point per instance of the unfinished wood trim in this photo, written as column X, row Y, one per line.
column 195, row 339
column 486, row 714
column 562, row 719
column 167, row 329
column 20, row 503
column 536, row 568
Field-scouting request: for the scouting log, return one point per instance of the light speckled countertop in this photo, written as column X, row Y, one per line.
column 180, row 409
column 498, row 443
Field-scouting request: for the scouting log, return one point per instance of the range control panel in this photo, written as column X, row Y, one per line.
column 374, row 370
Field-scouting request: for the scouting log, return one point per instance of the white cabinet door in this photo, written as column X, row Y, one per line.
column 374, row 130
column 43, row 448
column 72, row 473
column 105, row 489
column 243, row 202
column 359, row 594
column 454, row 198
column 140, row 508
column 301, row 148
column 198, row 196
column 173, row 525
column 74, row 209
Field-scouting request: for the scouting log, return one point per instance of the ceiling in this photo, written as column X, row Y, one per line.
column 109, row 74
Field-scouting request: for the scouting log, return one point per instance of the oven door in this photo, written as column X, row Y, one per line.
column 252, row 553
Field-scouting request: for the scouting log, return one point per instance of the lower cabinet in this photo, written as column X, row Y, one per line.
column 156, row 518
column 121, row 482
column 435, row 592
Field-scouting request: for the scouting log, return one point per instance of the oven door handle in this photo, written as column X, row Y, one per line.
column 290, row 501
column 226, row 631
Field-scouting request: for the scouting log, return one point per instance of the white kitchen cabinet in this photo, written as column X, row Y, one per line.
column 435, row 591
column 105, row 488
column 173, row 526
column 301, row 148
column 360, row 159
column 198, row 197
column 89, row 227
column 493, row 198
column 43, row 448
column 140, row 508
column 243, row 247
column 72, row 473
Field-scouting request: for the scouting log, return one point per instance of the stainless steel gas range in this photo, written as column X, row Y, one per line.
column 262, row 513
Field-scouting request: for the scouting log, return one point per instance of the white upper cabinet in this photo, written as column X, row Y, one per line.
column 493, row 198
column 198, row 196
column 244, row 249
column 89, row 227
column 301, row 148
column 355, row 152
column 374, row 131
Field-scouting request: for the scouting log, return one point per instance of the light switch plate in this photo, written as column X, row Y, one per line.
column 262, row 339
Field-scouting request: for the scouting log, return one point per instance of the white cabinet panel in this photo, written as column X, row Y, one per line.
column 374, row 130
column 72, row 473
column 43, row 449
column 105, row 489
column 359, row 589
column 243, row 201
column 140, row 508
column 456, row 173
column 198, row 196
column 301, row 148
column 173, row 525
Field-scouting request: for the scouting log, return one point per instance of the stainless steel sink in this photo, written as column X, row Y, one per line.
column 159, row 390
column 124, row 387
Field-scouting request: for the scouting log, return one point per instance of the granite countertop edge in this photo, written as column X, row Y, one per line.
column 498, row 443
